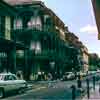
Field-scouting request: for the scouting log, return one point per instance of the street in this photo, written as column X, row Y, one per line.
column 57, row 91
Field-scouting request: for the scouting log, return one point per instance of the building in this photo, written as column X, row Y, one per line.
column 38, row 40
column 96, row 9
column 41, row 33
column 7, row 44
column 83, row 56
column 93, row 61
column 81, row 50
column 85, row 59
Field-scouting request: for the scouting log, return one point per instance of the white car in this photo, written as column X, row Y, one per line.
column 68, row 76
column 9, row 82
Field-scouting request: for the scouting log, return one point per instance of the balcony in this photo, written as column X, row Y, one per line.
column 30, row 33
column 50, row 55
column 35, row 28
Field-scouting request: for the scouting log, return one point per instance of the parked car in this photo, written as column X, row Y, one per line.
column 9, row 82
column 68, row 76
column 92, row 72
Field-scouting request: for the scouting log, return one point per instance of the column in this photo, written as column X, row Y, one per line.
column 26, row 68
column 11, row 59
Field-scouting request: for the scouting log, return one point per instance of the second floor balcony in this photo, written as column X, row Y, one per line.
column 44, row 28
column 31, row 33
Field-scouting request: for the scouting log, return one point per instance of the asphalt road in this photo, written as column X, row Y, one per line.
column 54, row 91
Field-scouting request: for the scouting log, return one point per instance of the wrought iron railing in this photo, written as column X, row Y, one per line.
column 35, row 28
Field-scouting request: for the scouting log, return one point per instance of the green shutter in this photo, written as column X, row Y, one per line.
column 7, row 28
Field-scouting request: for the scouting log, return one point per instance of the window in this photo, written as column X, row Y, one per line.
column 35, row 22
column 9, row 77
column 13, row 77
column 32, row 23
column 20, row 53
column 18, row 24
column 36, row 46
column 1, row 77
column 6, row 77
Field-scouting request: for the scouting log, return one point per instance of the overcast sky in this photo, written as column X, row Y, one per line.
column 79, row 17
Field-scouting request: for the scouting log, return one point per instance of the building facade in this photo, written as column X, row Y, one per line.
column 81, row 51
column 96, row 9
column 41, row 32
column 35, row 40
column 7, row 45
column 85, row 59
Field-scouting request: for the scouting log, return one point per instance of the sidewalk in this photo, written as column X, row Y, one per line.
column 94, row 95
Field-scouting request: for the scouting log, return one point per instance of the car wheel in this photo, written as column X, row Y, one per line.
column 21, row 90
column 1, row 93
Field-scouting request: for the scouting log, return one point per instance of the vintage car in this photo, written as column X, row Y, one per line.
column 9, row 82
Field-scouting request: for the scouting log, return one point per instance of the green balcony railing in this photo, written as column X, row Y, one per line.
column 35, row 28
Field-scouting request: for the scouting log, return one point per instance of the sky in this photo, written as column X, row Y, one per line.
column 79, row 17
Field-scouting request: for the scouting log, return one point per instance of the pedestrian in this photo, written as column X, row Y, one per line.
column 43, row 76
column 49, row 79
column 99, row 87
column 39, row 76
column 18, row 75
column 49, row 76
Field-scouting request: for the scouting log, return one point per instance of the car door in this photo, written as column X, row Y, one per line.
column 14, row 82
column 17, row 84
column 8, row 83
